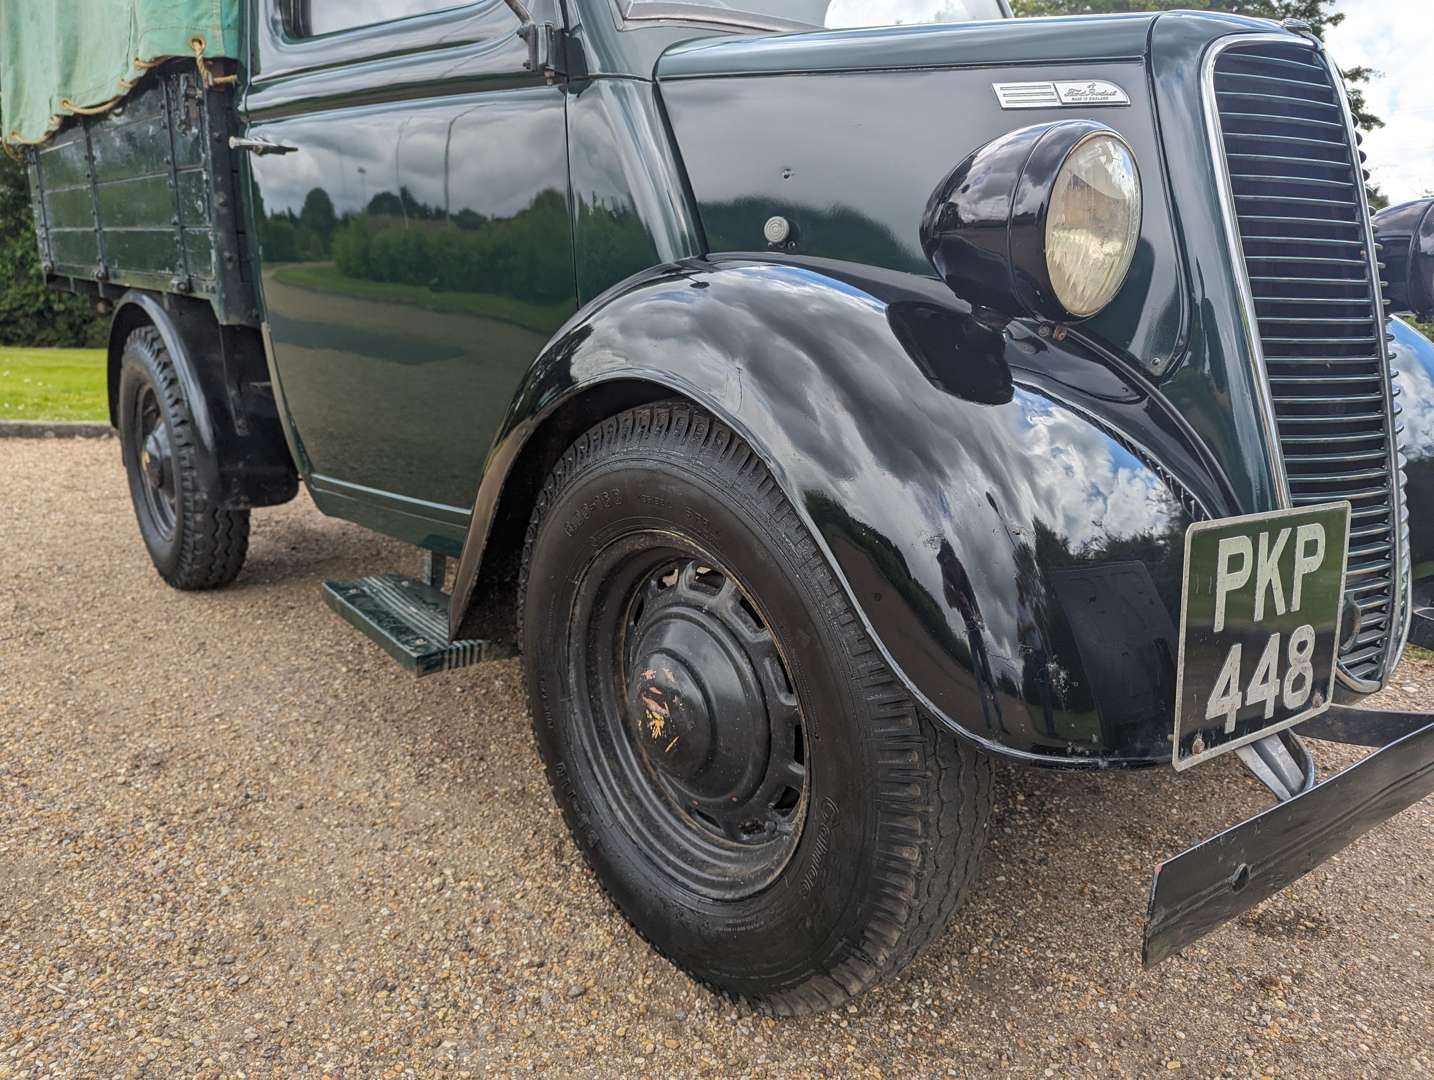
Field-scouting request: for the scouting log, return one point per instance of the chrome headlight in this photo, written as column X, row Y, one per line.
column 1093, row 223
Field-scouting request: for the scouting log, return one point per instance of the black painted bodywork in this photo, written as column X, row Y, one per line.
column 984, row 228
column 1406, row 232
column 1006, row 509
column 1412, row 358
column 1006, row 530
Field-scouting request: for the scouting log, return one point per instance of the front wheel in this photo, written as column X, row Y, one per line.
column 747, row 777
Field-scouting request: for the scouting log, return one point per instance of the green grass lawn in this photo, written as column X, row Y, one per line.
column 52, row 384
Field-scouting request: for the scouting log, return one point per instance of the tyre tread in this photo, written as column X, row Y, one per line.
column 213, row 542
column 934, row 794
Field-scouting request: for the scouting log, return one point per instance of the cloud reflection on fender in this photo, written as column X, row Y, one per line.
column 900, row 473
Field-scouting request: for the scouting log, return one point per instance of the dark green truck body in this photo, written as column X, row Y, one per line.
column 441, row 263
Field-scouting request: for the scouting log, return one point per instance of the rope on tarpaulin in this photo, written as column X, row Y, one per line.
column 91, row 110
column 16, row 139
column 206, row 73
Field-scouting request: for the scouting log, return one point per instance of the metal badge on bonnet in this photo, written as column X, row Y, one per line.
column 1054, row 95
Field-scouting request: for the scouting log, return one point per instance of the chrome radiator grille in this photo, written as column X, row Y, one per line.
column 1296, row 185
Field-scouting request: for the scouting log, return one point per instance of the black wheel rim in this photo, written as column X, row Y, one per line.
column 688, row 717
column 154, row 461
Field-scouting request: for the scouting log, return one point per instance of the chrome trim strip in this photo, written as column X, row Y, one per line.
column 1216, row 135
column 1063, row 93
column 1401, row 583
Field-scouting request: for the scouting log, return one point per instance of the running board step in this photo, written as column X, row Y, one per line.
column 409, row 618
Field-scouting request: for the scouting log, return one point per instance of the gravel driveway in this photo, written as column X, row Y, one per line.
column 235, row 840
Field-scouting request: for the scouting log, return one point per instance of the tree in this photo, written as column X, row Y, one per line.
column 1318, row 13
column 30, row 313
column 318, row 216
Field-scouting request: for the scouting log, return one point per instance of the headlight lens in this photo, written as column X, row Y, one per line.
column 1092, row 224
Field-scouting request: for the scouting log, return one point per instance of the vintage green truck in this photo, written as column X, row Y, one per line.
column 823, row 410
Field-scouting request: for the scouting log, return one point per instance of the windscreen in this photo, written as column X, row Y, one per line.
column 831, row 14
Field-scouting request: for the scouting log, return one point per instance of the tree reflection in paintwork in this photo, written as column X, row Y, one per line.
column 399, row 240
column 526, row 255
column 472, row 297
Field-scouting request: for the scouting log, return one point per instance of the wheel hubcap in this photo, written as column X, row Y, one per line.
column 674, row 721
column 705, row 755
column 155, row 463
column 698, row 700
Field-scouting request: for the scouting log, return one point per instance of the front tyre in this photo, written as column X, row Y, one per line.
column 748, row 779
column 191, row 541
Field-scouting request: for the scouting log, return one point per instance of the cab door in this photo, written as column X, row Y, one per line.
column 411, row 208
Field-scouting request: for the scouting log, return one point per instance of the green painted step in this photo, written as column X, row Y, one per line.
column 409, row 618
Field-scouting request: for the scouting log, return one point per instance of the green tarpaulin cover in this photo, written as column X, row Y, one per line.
column 59, row 57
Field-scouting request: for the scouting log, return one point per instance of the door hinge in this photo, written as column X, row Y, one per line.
column 547, row 50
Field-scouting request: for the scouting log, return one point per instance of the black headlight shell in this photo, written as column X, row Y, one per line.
column 985, row 226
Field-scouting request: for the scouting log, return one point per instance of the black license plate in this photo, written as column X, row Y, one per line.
column 1259, row 626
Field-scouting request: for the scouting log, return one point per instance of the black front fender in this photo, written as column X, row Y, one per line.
column 1006, row 512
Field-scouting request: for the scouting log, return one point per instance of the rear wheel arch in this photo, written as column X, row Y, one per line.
column 223, row 374
column 179, row 322
column 139, row 310
column 128, row 318
column 193, row 542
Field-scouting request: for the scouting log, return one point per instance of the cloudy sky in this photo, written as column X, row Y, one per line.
column 1397, row 38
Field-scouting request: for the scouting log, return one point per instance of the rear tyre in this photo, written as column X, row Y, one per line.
column 747, row 777
column 192, row 543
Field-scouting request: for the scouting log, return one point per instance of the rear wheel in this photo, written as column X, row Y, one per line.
column 745, row 774
column 192, row 543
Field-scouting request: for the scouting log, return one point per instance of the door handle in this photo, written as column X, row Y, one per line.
column 259, row 146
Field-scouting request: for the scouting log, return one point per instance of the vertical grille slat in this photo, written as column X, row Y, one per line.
column 1302, row 229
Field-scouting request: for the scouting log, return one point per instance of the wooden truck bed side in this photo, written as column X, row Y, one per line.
column 146, row 196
